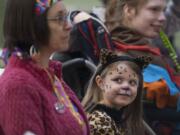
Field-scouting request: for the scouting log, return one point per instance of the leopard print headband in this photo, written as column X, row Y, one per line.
column 108, row 57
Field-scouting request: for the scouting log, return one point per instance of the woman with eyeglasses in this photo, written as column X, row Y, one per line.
column 34, row 99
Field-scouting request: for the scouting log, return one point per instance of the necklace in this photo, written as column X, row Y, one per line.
column 64, row 99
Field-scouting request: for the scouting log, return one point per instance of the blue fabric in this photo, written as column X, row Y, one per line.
column 154, row 73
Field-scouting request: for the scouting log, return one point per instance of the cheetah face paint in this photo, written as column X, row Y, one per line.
column 121, row 85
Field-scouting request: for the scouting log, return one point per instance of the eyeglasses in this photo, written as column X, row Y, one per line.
column 60, row 19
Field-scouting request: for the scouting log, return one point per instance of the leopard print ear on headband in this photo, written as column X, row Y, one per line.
column 108, row 57
column 143, row 61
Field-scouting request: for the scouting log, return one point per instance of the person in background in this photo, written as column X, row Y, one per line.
column 34, row 98
column 131, row 23
column 114, row 94
column 171, row 27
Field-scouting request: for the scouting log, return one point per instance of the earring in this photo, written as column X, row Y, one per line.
column 34, row 53
column 33, row 50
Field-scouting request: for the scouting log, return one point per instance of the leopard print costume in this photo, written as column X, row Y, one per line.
column 103, row 124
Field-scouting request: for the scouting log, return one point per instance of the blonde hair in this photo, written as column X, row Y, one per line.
column 94, row 94
column 115, row 11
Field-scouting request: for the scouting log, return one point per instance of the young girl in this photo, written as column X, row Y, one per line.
column 113, row 98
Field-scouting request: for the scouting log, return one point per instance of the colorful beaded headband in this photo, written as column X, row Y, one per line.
column 42, row 5
column 108, row 57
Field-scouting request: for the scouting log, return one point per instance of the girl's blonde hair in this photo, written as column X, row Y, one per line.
column 115, row 11
column 133, row 112
column 93, row 94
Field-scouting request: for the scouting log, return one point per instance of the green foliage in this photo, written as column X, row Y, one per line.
column 169, row 46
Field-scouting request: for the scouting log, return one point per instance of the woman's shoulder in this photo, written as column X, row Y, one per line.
column 17, row 80
column 17, row 84
column 15, row 74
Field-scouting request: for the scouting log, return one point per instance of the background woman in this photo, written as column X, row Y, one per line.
column 131, row 23
column 137, row 21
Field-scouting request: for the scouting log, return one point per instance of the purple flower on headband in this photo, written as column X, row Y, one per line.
column 5, row 55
